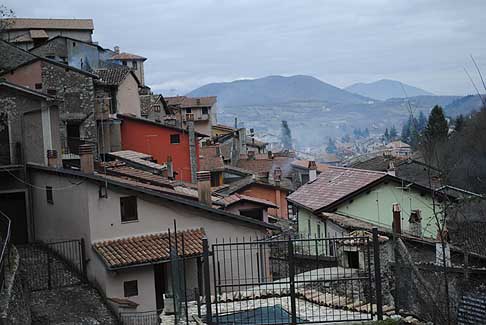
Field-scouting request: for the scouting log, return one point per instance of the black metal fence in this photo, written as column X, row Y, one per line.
column 54, row 264
column 248, row 288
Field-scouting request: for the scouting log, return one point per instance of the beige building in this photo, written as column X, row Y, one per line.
column 201, row 110
column 27, row 33
column 132, row 61
column 125, row 227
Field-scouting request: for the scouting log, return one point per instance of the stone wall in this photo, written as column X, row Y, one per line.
column 15, row 296
column 77, row 91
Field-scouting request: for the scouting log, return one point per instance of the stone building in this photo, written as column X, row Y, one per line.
column 27, row 33
column 201, row 110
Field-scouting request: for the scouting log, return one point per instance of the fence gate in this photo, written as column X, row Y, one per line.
column 53, row 265
column 301, row 286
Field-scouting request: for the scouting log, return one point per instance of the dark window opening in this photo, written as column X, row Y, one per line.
column 309, row 227
column 353, row 260
column 128, row 208
column 175, row 139
column 38, row 85
column 305, row 178
column 134, row 64
column 318, row 231
column 49, row 197
column 52, row 57
column 188, row 110
column 215, row 180
column 253, row 213
column 205, row 110
column 156, row 108
column 130, row 288
column 51, row 92
column 73, row 137
column 74, row 44
column 124, row 62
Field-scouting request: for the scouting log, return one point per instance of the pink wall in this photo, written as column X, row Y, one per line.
column 27, row 75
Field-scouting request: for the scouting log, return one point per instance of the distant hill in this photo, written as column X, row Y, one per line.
column 277, row 90
column 385, row 89
column 464, row 105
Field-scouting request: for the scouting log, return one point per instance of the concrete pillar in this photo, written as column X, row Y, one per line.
column 192, row 150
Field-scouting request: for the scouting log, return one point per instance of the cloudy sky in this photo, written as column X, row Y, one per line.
column 189, row 43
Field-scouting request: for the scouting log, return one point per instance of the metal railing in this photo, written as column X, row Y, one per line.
column 5, row 233
column 140, row 318
column 70, row 146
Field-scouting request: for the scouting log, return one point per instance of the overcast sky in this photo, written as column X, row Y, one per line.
column 189, row 43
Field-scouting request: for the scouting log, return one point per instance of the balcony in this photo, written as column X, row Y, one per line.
column 70, row 147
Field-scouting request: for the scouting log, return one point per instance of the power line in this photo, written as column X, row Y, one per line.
column 43, row 188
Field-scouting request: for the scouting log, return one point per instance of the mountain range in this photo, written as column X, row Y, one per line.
column 276, row 90
column 385, row 89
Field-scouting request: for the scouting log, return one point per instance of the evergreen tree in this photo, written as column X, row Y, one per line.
column 331, row 146
column 405, row 136
column 459, row 123
column 286, row 136
column 366, row 133
column 386, row 136
column 422, row 122
column 393, row 133
column 437, row 127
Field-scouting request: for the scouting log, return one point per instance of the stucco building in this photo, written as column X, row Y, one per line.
column 201, row 110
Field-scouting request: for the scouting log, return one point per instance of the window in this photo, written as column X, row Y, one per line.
column 128, row 208
column 124, row 62
column 52, row 57
column 188, row 110
column 49, row 196
column 318, row 231
column 305, row 178
column 134, row 64
column 205, row 110
column 130, row 288
column 156, row 108
column 38, row 86
column 309, row 226
column 51, row 92
column 74, row 44
column 175, row 139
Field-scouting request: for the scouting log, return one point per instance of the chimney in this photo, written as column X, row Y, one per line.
column 391, row 168
column 277, row 175
column 270, row 155
column 415, row 223
column 86, row 158
column 117, row 49
column 52, row 159
column 312, row 170
column 204, row 187
column 397, row 222
column 251, row 155
column 170, row 168
column 192, row 150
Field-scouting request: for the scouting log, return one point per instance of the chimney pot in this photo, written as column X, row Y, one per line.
column 312, row 170
column 415, row 222
column 170, row 168
column 117, row 49
column 86, row 158
column 270, row 154
column 277, row 174
column 204, row 188
column 52, row 159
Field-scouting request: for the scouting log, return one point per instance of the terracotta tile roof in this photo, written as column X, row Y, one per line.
column 209, row 159
column 257, row 166
column 112, row 76
column 331, row 185
column 38, row 33
column 141, row 175
column 36, row 23
column 235, row 198
column 144, row 249
column 187, row 102
column 138, row 158
column 237, row 185
column 304, row 164
column 127, row 56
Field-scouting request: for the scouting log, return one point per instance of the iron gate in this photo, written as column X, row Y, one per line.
column 307, row 289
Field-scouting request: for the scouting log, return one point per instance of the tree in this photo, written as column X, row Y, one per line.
column 386, row 136
column 422, row 122
column 5, row 14
column 437, row 128
column 393, row 133
column 331, row 146
column 459, row 123
column 366, row 133
column 286, row 136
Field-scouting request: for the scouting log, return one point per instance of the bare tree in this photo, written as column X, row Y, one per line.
column 6, row 18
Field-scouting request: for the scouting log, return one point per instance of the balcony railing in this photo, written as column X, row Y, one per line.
column 70, row 147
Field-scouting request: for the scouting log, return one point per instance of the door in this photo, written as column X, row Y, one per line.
column 13, row 205
column 159, row 279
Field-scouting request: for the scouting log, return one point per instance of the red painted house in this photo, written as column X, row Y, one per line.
column 160, row 141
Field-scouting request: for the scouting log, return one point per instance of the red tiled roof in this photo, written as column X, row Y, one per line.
column 148, row 248
column 186, row 102
column 257, row 166
column 209, row 158
column 127, row 56
column 305, row 164
column 331, row 185
column 112, row 76
column 234, row 198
